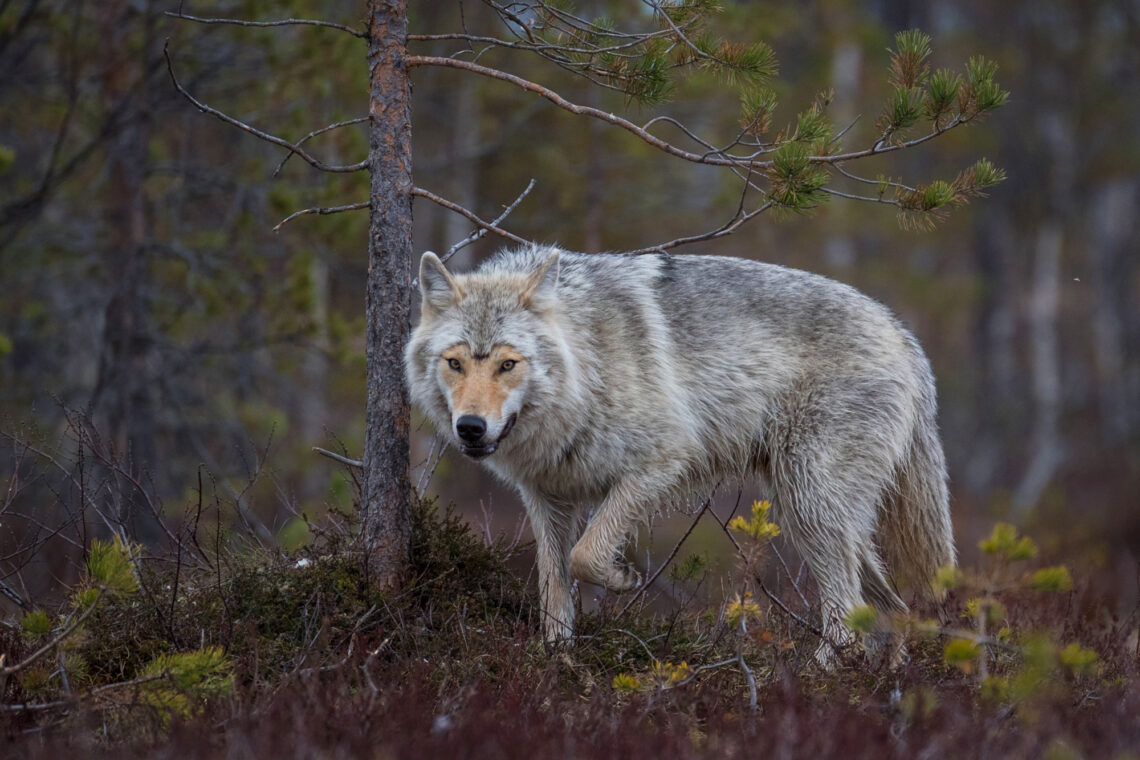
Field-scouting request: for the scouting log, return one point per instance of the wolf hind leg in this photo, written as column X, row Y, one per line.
column 824, row 527
column 884, row 645
column 596, row 557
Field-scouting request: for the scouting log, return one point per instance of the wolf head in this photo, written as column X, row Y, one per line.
column 478, row 354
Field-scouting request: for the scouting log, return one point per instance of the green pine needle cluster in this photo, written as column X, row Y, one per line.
column 925, row 205
column 944, row 98
column 184, row 683
column 796, row 183
column 110, row 566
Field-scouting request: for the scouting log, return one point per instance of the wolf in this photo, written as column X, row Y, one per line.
column 629, row 383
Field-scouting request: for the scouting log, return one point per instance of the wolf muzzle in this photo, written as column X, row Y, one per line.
column 472, row 431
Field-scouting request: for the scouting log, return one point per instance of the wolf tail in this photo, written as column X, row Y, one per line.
column 918, row 536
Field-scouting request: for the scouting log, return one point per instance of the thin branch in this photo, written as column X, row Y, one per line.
column 716, row 159
column 878, row 148
column 339, row 458
column 864, row 198
column 314, row 162
column 320, row 211
column 426, row 475
column 702, row 669
column 677, row 547
column 744, row 665
column 59, row 639
column 280, row 22
column 452, row 206
column 867, row 181
column 18, row 600
column 321, row 131
column 726, row 229
column 780, row 603
column 483, row 230
column 788, row 572
column 72, row 701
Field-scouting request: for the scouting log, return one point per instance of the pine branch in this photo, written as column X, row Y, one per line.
column 6, row 671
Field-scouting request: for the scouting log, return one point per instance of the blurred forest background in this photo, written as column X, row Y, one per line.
column 148, row 308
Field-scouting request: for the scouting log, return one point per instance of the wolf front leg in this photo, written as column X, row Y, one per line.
column 596, row 557
column 553, row 526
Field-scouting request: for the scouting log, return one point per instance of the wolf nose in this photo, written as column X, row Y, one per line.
column 470, row 427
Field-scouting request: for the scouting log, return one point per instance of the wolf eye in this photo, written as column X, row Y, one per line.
column 455, row 365
column 508, row 365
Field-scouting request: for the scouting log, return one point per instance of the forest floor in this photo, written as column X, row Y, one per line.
column 240, row 654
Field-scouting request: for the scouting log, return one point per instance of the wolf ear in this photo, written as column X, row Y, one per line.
column 543, row 278
column 438, row 287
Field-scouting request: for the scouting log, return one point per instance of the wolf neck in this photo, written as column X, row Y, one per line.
column 556, row 415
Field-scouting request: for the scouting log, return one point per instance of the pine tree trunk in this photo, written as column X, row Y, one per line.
column 387, row 487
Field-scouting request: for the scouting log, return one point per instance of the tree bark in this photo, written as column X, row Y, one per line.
column 387, row 487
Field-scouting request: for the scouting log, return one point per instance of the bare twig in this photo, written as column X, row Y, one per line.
column 279, row 22
column 430, row 467
column 645, row 586
column 321, row 131
column 452, row 206
column 483, row 230
column 752, row 700
column 784, row 608
column 320, row 212
column 76, row 699
column 339, row 458
column 725, row 229
column 314, row 162
column 788, row 572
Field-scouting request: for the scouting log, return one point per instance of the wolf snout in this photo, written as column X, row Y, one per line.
column 470, row 428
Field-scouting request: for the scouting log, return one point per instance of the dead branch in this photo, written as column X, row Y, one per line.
column 452, row 206
column 321, row 131
column 726, row 229
column 294, row 148
column 63, row 704
column 483, row 230
column 645, row 586
column 339, row 458
column 319, row 211
column 279, row 22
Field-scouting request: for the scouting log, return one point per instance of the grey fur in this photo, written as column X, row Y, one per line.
column 652, row 378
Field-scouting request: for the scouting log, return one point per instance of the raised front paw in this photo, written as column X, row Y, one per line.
column 622, row 577
column 615, row 574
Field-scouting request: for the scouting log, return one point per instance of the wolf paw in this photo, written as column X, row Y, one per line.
column 623, row 577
